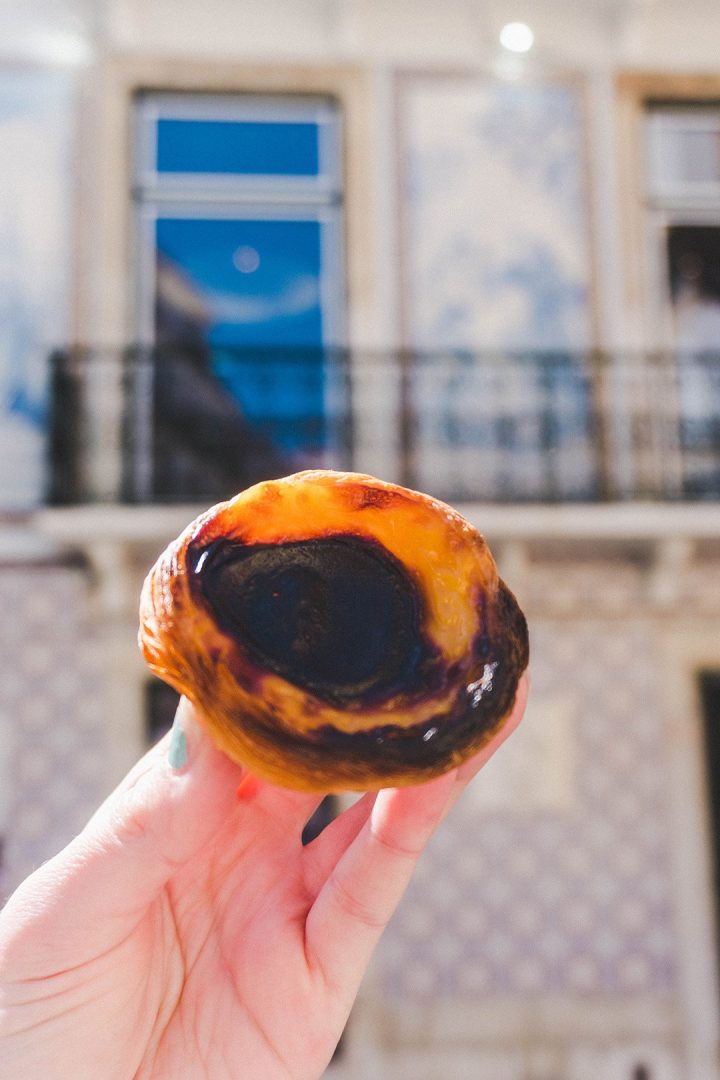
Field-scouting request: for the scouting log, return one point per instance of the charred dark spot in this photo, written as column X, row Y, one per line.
column 338, row 616
column 512, row 623
column 482, row 644
column 484, row 698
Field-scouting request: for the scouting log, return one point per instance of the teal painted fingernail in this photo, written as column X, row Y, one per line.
column 177, row 754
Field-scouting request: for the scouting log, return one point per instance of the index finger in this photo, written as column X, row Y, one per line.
column 360, row 895
column 358, row 898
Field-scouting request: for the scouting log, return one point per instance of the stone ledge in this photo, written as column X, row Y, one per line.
column 595, row 522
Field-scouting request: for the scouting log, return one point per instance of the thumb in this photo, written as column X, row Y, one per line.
column 97, row 888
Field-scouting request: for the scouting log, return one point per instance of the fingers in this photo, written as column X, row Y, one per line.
column 155, row 821
column 374, row 848
column 183, row 796
column 281, row 809
column 324, row 852
column 360, row 895
column 167, row 808
column 322, row 855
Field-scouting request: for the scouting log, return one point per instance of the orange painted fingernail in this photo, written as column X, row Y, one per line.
column 248, row 787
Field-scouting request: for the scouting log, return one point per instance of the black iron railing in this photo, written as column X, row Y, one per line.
column 176, row 425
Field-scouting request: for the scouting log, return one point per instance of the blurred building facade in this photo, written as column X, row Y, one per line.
column 489, row 274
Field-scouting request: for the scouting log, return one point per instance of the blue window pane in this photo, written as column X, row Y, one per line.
column 247, row 292
column 247, row 282
column 237, row 147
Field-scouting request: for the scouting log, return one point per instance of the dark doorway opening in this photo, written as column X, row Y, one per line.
column 709, row 683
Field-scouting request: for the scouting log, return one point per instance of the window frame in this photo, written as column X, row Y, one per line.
column 258, row 197
column 243, row 107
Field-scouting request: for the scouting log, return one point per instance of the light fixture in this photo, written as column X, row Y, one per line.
column 64, row 47
column 517, row 37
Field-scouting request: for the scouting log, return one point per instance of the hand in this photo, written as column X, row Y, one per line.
column 186, row 933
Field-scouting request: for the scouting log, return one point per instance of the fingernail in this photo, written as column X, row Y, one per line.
column 248, row 787
column 177, row 754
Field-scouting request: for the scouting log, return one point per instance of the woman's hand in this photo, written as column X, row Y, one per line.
column 188, row 934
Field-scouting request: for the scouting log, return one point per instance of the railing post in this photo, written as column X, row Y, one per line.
column 138, row 424
column 64, row 452
column 407, row 420
column 600, row 412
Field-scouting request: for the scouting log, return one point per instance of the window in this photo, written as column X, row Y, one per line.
column 239, row 283
column 683, row 151
column 682, row 206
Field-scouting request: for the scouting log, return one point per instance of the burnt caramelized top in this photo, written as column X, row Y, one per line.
column 338, row 615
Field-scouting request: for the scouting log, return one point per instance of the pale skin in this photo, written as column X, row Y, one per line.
column 187, row 934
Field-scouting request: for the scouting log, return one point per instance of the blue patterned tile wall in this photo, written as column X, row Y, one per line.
column 496, row 233
column 51, row 701
column 572, row 897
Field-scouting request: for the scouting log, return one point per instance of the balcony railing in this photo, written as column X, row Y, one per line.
column 176, row 425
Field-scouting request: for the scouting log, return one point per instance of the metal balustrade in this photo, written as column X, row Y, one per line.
column 143, row 425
